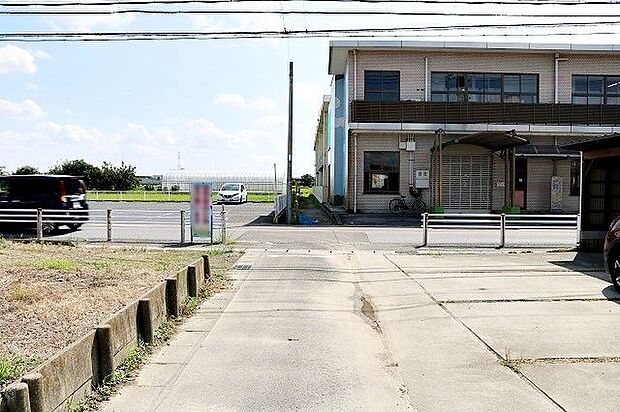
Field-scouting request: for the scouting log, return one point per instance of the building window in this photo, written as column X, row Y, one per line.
column 575, row 176
column 382, row 86
column 381, row 172
column 594, row 90
column 484, row 87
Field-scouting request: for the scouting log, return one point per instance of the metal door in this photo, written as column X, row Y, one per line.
column 466, row 182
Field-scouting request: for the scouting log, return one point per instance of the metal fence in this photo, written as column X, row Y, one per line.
column 147, row 226
column 442, row 229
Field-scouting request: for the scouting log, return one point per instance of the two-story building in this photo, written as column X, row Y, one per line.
column 472, row 126
column 322, row 147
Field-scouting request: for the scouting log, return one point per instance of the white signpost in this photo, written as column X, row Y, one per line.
column 202, row 212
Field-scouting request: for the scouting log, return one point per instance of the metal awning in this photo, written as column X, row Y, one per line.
column 607, row 141
column 494, row 141
column 552, row 151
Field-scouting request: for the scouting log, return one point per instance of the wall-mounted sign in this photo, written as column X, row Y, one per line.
column 202, row 211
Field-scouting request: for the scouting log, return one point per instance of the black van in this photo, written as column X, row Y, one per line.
column 62, row 198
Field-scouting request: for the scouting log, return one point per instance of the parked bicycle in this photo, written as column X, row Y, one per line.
column 399, row 204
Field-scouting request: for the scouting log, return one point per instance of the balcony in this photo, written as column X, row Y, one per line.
column 407, row 111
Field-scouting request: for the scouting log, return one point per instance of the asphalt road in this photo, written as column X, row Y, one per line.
column 358, row 330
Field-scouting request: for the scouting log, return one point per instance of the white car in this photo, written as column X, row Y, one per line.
column 232, row 193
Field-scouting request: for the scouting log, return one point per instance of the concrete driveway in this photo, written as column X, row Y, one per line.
column 364, row 330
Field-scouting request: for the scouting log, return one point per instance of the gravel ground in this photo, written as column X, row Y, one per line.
column 51, row 295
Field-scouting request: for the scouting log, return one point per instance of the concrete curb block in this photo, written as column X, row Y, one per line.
column 72, row 373
column 17, row 398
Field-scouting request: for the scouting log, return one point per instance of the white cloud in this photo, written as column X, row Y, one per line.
column 309, row 94
column 40, row 54
column 79, row 134
column 155, row 135
column 271, row 120
column 68, row 112
column 16, row 59
column 26, row 109
column 237, row 101
column 90, row 23
column 231, row 100
column 32, row 86
column 208, row 129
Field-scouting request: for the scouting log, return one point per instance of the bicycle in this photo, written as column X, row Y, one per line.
column 398, row 205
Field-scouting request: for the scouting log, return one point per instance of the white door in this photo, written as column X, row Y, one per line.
column 466, row 182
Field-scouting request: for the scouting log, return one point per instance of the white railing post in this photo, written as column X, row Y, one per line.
column 578, row 230
column 182, row 226
column 424, row 229
column 39, row 224
column 502, row 233
column 109, row 224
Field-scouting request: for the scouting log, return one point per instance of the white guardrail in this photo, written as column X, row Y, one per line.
column 280, row 206
column 500, row 222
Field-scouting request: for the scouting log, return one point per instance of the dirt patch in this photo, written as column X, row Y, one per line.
column 51, row 295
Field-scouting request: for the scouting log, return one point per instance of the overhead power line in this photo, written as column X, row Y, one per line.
column 212, row 2
column 305, row 36
column 92, row 36
column 302, row 12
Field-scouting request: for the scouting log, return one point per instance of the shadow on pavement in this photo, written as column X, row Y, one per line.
column 381, row 220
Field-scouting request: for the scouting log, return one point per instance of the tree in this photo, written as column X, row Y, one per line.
column 121, row 177
column 26, row 170
column 79, row 167
column 306, row 180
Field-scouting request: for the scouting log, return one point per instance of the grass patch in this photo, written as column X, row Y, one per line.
column 12, row 366
column 153, row 196
column 57, row 264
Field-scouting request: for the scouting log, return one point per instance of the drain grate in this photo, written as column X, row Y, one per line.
column 243, row 267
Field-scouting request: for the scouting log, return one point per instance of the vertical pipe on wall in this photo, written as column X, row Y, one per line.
column 556, row 88
column 354, row 172
column 426, row 94
column 354, row 74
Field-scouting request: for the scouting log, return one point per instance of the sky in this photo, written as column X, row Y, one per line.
column 221, row 104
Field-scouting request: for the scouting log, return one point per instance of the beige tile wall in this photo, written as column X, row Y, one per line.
column 539, row 172
column 411, row 66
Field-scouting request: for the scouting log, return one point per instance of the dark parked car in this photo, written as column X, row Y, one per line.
column 612, row 252
column 62, row 198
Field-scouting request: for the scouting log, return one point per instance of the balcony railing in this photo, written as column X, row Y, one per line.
column 408, row 111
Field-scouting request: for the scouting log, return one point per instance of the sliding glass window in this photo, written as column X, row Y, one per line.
column 381, row 86
column 484, row 87
column 595, row 90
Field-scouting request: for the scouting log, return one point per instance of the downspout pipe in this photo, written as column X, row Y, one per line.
column 557, row 60
column 354, row 74
column 355, row 173
column 426, row 91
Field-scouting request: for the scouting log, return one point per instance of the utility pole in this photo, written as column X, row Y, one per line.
column 289, row 164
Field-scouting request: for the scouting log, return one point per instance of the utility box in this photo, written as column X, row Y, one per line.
column 410, row 147
column 422, row 179
column 402, row 145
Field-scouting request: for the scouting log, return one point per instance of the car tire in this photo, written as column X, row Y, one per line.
column 614, row 271
column 75, row 226
column 49, row 228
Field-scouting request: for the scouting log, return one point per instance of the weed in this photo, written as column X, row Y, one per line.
column 58, row 264
column 13, row 366
column 20, row 295
column 190, row 306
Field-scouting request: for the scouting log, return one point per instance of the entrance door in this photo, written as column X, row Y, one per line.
column 466, row 182
column 520, row 196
